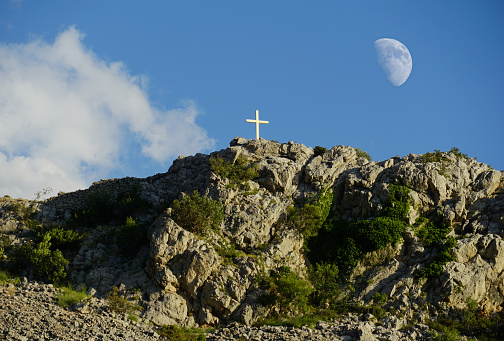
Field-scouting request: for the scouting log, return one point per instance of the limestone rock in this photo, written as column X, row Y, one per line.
column 166, row 309
column 178, row 258
column 189, row 279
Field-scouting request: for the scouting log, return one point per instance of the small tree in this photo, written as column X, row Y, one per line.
column 319, row 150
column 361, row 153
column 47, row 264
column 198, row 214
column 326, row 280
column 285, row 289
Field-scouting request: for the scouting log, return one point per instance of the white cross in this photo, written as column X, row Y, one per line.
column 256, row 121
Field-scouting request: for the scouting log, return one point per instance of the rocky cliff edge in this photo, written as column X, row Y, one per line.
column 187, row 279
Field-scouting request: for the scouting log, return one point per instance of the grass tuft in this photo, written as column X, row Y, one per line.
column 68, row 297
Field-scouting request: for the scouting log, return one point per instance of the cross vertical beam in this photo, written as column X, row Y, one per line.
column 257, row 122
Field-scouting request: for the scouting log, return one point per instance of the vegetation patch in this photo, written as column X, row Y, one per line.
column 344, row 243
column 130, row 237
column 467, row 322
column 129, row 203
column 319, row 151
column 309, row 218
column 102, row 208
column 23, row 210
column 300, row 320
column 198, row 214
column 119, row 304
column 42, row 256
column 429, row 232
column 6, row 277
column 361, row 153
column 433, row 233
column 285, row 290
column 98, row 210
column 4, row 245
column 444, row 255
column 238, row 172
column 45, row 263
column 68, row 297
column 438, row 156
column 174, row 332
column 61, row 238
column 326, row 282
column 334, row 247
column 228, row 252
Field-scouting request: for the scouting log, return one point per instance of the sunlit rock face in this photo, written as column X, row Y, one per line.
column 189, row 279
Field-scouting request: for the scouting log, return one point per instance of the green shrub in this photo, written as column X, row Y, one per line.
column 309, row 219
column 455, row 151
column 6, row 277
column 326, row 282
column 445, row 333
column 61, row 238
column 361, row 153
column 438, row 156
column 444, row 256
column 433, row 233
column 344, row 243
column 238, row 172
column 119, row 304
column 48, row 265
column 20, row 257
column 177, row 333
column 379, row 233
column 319, row 151
column 469, row 322
column 68, row 297
column 429, row 232
column 3, row 277
column 101, row 207
column 398, row 204
column 198, row 214
column 228, row 252
column 4, row 245
column 286, row 290
column 380, row 298
column 130, row 237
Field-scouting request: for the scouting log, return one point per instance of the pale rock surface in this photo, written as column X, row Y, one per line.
column 185, row 280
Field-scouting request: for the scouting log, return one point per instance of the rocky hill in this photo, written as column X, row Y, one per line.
column 267, row 229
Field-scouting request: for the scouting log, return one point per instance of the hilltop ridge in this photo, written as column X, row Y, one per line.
column 419, row 237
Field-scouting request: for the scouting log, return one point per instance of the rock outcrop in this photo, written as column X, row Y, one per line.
column 187, row 279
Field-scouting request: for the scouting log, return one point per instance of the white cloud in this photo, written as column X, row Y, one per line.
column 65, row 116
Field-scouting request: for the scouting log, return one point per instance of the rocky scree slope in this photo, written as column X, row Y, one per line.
column 30, row 311
column 191, row 279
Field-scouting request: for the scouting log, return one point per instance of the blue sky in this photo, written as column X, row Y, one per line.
column 93, row 90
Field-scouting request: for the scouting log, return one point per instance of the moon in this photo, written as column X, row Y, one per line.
column 395, row 60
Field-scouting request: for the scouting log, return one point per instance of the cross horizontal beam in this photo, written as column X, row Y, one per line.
column 257, row 122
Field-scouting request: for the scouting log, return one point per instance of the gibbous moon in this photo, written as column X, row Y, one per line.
column 395, row 60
